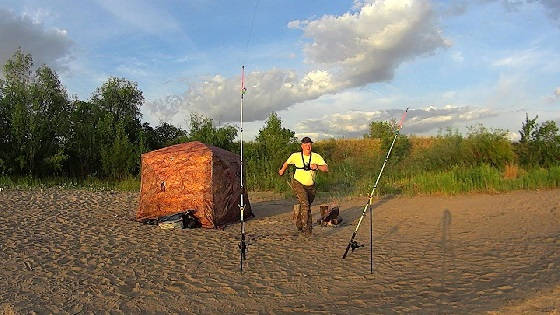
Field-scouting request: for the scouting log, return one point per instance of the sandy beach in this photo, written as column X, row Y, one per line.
column 70, row 251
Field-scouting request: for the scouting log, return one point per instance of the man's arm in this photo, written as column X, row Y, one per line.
column 322, row 168
column 320, row 164
column 283, row 169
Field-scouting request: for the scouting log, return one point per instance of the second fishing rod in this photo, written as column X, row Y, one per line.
column 353, row 244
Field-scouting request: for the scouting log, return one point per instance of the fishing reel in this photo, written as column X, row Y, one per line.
column 354, row 245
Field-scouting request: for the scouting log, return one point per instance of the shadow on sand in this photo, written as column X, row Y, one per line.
column 354, row 213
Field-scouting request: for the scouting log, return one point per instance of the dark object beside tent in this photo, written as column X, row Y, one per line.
column 329, row 215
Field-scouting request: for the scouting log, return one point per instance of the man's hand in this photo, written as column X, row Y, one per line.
column 322, row 168
column 282, row 169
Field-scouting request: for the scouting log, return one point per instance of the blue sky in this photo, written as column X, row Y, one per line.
column 326, row 67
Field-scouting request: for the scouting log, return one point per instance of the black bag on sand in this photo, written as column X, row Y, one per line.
column 190, row 221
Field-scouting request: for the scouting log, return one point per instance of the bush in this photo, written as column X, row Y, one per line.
column 386, row 131
column 540, row 144
column 445, row 152
column 490, row 147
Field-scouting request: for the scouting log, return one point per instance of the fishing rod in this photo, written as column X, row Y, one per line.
column 353, row 244
column 242, row 243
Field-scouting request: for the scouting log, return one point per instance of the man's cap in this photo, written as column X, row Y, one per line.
column 306, row 140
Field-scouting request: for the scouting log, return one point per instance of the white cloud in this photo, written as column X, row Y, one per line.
column 432, row 118
column 355, row 123
column 349, row 124
column 315, row 135
column 368, row 45
column 296, row 24
column 557, row 92
column 362, row 46
column 166, row 110
column 219, row 97
column 47, row 46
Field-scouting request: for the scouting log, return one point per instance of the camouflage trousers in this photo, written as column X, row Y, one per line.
column 302, row 214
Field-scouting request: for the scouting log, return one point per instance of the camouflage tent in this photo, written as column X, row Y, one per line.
column 192, row 176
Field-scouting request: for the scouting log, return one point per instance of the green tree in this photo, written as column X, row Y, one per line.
column 385, row 131
column 539, row 144
column 105, row 134
column 275, row 141
column 119, row 158
column 523, row 148
column 148, row 138
column 84, row 144
column 15, row 107
column 547, row 144
column 271, row 148
column 34, row 112
column 118, row 101
column 527, row 128
column 49, row 123
column 167, row 134
column 381, row 129
column 122, row 99
column 202, row 129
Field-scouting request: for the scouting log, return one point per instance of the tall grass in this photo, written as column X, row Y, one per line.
column 89, row 183
column 477, row 179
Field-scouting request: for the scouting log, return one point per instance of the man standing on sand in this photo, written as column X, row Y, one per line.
column 303, row 183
